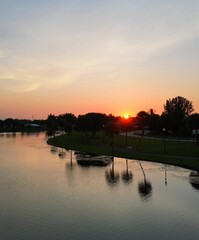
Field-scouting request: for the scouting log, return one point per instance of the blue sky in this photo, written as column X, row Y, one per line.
column 109, row 56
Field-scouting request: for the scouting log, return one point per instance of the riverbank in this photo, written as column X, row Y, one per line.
column 183, row 154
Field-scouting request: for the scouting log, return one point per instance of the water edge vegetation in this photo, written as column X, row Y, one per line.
column 168, row 151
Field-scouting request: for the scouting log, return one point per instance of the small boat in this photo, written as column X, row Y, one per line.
column 87, row 160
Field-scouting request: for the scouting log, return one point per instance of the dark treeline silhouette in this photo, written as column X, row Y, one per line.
column 177, row 119
column 22, row 125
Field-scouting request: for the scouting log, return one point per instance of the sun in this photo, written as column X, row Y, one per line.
column 126, row 116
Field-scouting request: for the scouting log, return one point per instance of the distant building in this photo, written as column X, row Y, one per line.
column 32, row 126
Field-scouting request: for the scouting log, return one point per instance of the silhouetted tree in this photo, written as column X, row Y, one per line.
column 142, row 121
column 153, row 122
column 165, row 122
column 67, row 121
column 9, row 124
column 52, row 124
column 91, row 122
column 111, row 129
column 178, row 109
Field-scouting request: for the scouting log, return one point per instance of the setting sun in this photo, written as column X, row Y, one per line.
column 126, row 116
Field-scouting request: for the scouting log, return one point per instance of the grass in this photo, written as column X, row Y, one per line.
column 183, row 154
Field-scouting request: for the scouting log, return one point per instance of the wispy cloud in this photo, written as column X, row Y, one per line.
column 17, row 85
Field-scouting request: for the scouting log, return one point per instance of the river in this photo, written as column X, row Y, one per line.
column 75, row 196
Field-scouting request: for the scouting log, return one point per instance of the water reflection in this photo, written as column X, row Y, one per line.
column 165, row 174
column 53, row 150
column 194, row 180
column 14, row 134
column 144, row 187
column 41, row 192
column 36, row 134
column 112, row 176
column 9, row 135
column 70, row 165
column 127, row 175
column 62, row 153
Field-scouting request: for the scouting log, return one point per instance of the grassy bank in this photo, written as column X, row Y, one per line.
column 184, row 154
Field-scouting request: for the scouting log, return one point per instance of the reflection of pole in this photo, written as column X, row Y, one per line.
column 142, row 171
column 127, row 167
column 165, row 176
column 112, row 166
column 71, row 158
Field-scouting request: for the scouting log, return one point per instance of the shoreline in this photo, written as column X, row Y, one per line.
column 90, row 146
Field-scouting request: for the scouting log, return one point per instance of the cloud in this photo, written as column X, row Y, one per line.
column 17, row 85
column 53, row 46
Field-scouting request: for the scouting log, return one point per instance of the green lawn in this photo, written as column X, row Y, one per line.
column 185, row 154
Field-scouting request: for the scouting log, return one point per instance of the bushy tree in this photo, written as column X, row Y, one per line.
column 178, row 105
column 177, row 110
column 154, row 122
column 51, row 124
column 91, row 122
column 67, row 121
column 142, row 120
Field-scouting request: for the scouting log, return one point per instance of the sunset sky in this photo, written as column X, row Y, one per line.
column 110, row 56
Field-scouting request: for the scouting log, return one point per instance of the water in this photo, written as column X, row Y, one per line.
column 44, row 196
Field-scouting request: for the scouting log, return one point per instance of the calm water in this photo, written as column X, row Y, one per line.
column 44, row 196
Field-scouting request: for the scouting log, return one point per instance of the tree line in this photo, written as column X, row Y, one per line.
column 177, row 119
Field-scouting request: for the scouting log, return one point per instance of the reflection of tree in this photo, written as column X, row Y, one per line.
column 144, row 187
column 36, row 134
column 194, row 180
column 14, row 135
column 11, row 135
column 127, row 175
column 112, row 177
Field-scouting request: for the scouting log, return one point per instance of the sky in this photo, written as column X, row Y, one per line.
column 108, row 56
